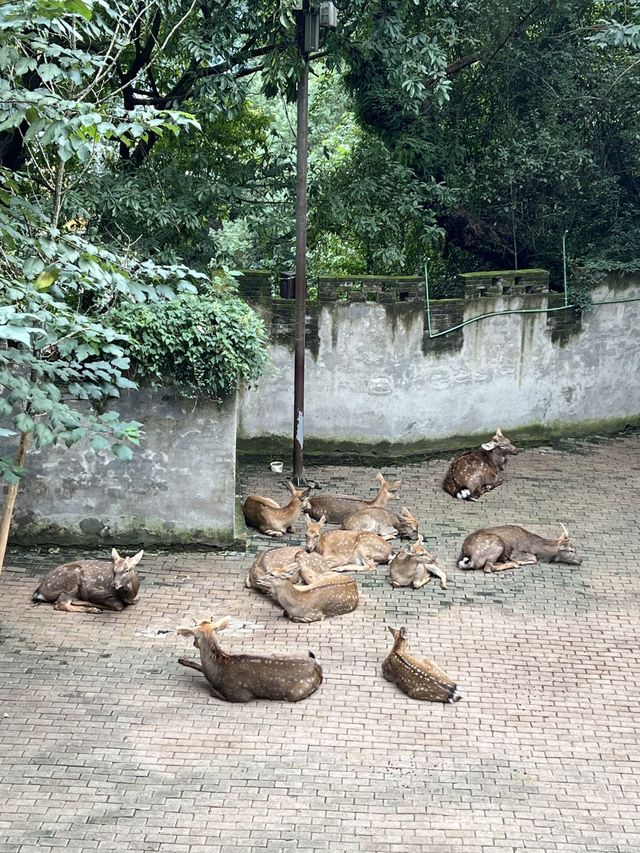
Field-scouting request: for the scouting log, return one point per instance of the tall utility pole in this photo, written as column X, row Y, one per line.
column 309, row 21
column 301, row 251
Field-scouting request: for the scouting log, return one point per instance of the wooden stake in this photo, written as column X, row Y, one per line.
column 12, row 491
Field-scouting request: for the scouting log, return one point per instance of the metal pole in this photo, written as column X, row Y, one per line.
column 564, row 266
column 301, row 259
column 426, row 294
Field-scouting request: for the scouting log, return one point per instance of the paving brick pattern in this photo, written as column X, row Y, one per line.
column 106, row 743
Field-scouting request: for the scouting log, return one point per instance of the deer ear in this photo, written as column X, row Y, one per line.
column 403, row 633
column 489, row 445
column 499, row 433
column 186, row 632
column 114, row 555
column 133, row 561
column 322, row 519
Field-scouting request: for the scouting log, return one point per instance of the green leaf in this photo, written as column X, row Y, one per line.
column 24, row 422
column 46, row 278
column 122, row 451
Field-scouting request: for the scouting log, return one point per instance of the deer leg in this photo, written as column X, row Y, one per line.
column 418, row 584
column 501, row 567
column 71, row 605
column 192, row 663
column 523, row 558
column 273, row 532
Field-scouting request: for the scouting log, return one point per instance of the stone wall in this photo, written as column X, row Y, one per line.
column 373, row 374
column 179, row 488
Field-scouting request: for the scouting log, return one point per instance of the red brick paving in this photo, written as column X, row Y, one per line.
column 106, row 743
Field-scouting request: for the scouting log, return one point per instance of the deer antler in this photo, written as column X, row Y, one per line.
column 565, row 532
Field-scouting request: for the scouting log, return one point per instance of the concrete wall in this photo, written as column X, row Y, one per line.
column 373, row 374
column 178, row 489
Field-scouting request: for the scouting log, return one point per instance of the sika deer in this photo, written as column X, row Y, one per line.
column 495, row 549
column 478, row 471
column 329, row 594
column 418, row 679
column 91, row 586
column 414, row 567
column 347, row 548
column 241, row 678
column 387, row 524
column 269, row 517
column 282, row 560
column 335, row 508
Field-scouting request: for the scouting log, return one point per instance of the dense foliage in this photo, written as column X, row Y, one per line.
column 63, row 128
column 203, row 345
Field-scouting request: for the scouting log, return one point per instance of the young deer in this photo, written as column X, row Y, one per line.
column 418, row 679
column 387, row 524
column 495, row 549
column 329, row 594
column 414, row 567
column 269, row 517
column 349, row 549
column 281, row 561
column 241, row 678
column 335, row 508
column 478, row 471
column 91, row 586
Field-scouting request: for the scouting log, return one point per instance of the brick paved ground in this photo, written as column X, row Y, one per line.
column 107, row 744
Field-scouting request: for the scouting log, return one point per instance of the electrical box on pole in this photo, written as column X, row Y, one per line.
column 328, row 15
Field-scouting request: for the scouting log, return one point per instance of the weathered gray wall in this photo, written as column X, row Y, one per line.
column 178, row 489
column 373, row 375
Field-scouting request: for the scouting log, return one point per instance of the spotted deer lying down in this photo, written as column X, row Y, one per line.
column 335, row 508
column 319, row 596
column 269, row 517
column 283, row 560
column 91, row 586
column 387, row 524
column 495, row 549
column 419, row 679
column 478, row 471
column 348, row 548
column 241, row 678
column 415, row 566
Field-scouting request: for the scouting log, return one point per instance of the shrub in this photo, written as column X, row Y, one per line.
column 203, row 345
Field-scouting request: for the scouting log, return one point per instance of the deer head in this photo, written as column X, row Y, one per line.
column 314, row 529
column 408, row 524
column 206, row 628
column 123, row 568
column 501, row 441
column 566, row 549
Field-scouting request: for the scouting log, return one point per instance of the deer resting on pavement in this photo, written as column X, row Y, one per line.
column 329, row 594
column 335, row 508
column 419, row 679
column 241, row 678
column 281, row 561
column 269, row 517
column 415, row 566
column 478, row 471
column 495, row 549
column 387, row 524
column 347, row 548
column 91, row 586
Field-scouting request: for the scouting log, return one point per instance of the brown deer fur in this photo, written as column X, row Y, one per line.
column 336, row 508
column 241, row 678
column 329, row 594
column 478, row 471
column 269, row 517
column 347, row 547
column 90, row 586
column 387, row 524
column 495, row 549
column 418, row 679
